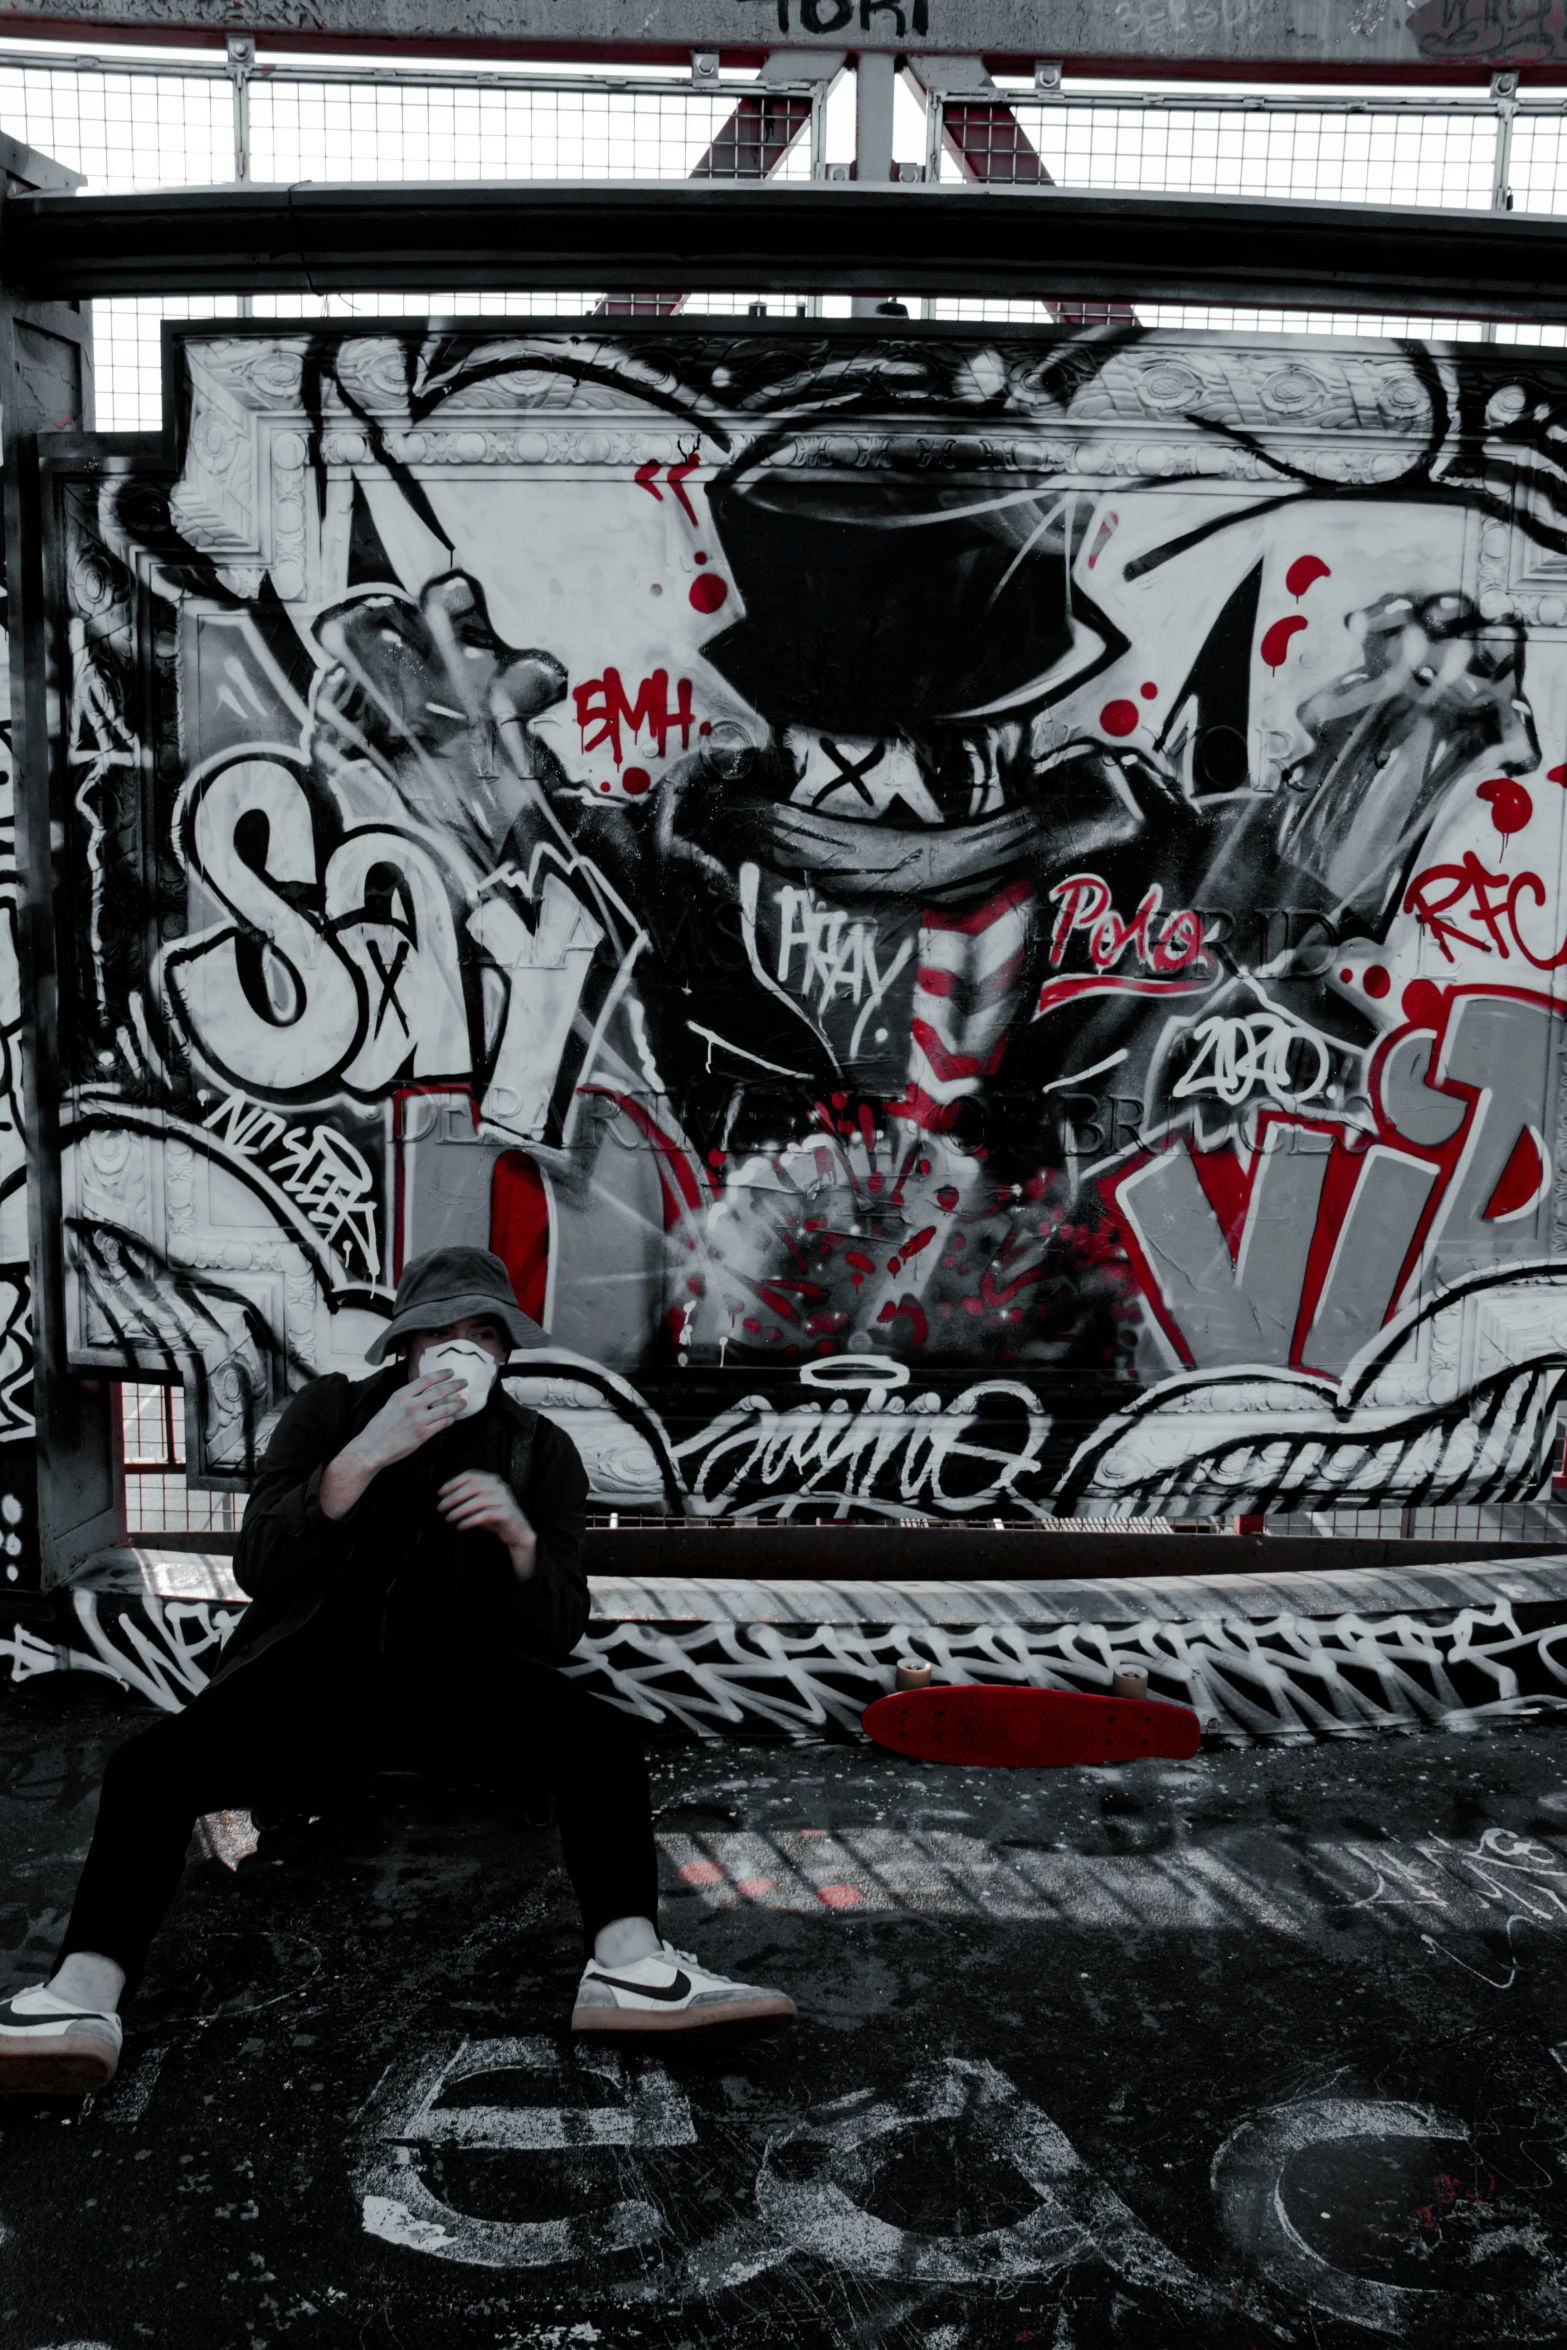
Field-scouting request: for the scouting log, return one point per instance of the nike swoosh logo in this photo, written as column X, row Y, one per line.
column 680, row 1988
column 45, row 2023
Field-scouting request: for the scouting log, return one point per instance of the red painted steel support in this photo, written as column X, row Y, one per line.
column 750, row 146
column 992, row 145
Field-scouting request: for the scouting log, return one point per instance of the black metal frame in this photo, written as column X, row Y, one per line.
column 843, row 237
column 46, row 387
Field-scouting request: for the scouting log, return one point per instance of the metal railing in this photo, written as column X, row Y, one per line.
column 1482, row 152
column 144, row 122
column 1493, row 151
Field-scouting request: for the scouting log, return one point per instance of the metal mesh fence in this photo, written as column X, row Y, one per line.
column 123, row 130
column 162, row 126
column 414, row 131
column 132, row 129
column 1442, row 156
column 1524, row 1521
column 157, row 1498
column 1443, row 153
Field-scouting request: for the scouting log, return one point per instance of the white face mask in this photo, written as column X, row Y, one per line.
column 468, row 1361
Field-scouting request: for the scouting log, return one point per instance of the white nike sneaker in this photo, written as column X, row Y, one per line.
column 670, row 1993
column 48, row 2048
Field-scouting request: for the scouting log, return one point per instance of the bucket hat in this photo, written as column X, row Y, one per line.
column 449, row 1285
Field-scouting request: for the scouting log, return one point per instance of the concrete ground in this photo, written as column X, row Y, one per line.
column 1270, row 2048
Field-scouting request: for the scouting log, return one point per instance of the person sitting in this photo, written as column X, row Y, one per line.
column 413, row 1549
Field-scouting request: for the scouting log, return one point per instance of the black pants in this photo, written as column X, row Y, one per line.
column 309, row 1719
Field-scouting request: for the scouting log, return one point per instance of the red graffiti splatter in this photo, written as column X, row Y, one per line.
column 709, row 592
column 1148, row 690
column 677, row 477
column 911, row 1248
column 635, row 779
column 1378, row 981
column 1511, row 806
column 1102, row 537
column 1276, row 643
column 1424, row 1003
column 947, row 1197
column 646, row 478
column 1119, row 717
column 1303, row 572
column 859, row 1264
column 1557, row 775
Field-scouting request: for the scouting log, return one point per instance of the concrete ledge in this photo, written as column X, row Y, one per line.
column 1334, row 1654
column 983, row 1550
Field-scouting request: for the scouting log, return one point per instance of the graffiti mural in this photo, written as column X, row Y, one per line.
column 978, row 917
column 18, row 1450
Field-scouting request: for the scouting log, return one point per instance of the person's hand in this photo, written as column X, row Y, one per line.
column 478, row 1503
column 441, row 705
column 409, row 1418
column 424, row 1408
column 1437, row 688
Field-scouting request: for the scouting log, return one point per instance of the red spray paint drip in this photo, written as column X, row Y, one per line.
column 1511, row 806
column 1424, row 1003
column 1303, row 572
column 677, row 477
column 1276, row 643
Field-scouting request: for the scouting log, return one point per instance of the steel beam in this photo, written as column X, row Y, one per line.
column 831, row 237
column 1423, row 39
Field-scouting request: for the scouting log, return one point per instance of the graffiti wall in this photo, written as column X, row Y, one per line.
column 18, row 1455
column 978, row 917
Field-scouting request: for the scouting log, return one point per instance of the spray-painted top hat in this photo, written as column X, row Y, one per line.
column 885, row 602
column 455, row 1285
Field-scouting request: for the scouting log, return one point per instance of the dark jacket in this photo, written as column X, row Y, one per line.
column 393, row 1563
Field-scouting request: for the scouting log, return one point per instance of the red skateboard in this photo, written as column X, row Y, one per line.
column 1014, row 1729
